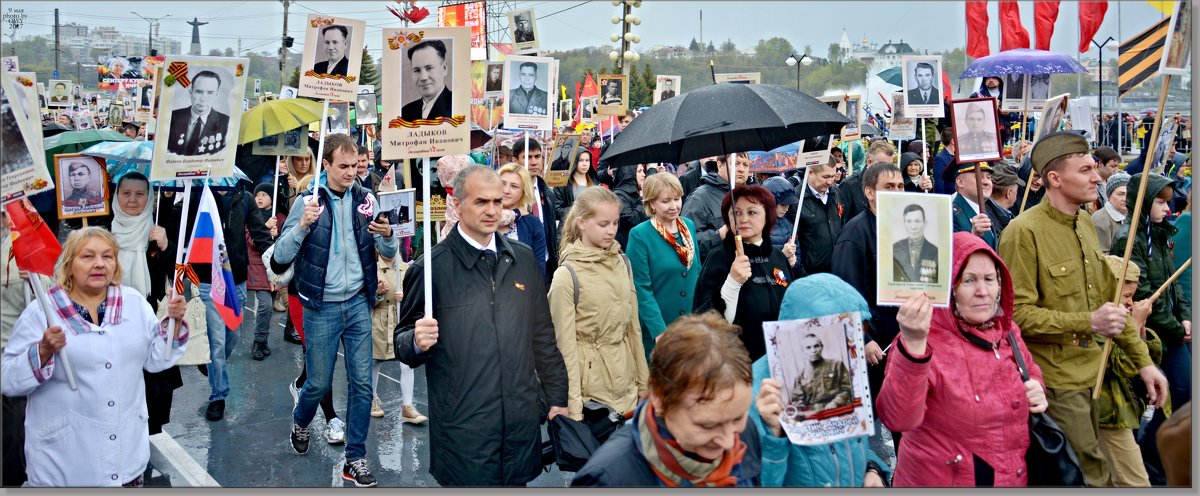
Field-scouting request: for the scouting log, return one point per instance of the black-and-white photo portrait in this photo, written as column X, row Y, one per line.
column 1039, row 87
column 294, row 142
column 334, row 49
column 915, row 258
column 1014, row 86
column 84, row 121
column 522, row 29
column 852, row 112
column 564, row 153
column 82, row 186
column 287, row 92
column 60, row 93
column 338, row 121
column 923, row 78
column 366, row 109
column 587, row 107
column 611, row 92
column 566, row 110
column 428, row 80
column 200, row 122
column 257, row 87
column 528, row 81
column 976, row 135
column 145, row 95
column 665, row 88
column 494, row 84
column 823, row 380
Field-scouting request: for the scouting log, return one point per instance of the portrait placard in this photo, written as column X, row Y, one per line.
column 338, row 120
column 815, row 151
column 267, row 145
column 1081, row 117
column 494, row 84
column 666, row 87
column 1038, row 91
column 399, row 207
column 10, row 63
column 739, row 78
column 976, row 130
column 852, row 109
column 614, row 94
column 60, row 93
column 366, row 110
column 199, row 117
column 286, row 92
column 82, row 186
column 527, row 81
column 85, row 120
column 487, row 110
column 587, row 109
column 823, row 368
column 903, row 127
column 333, row 48
column 1015, row 89
column 1052, row 116
column 566, row 111
column 562, row 160
column 23, row 171
column 116, row 116
column 922, row 78
column 1177, row 50
column 431, row 68
column 522, row 28
column 915, row 234
column 145, row 100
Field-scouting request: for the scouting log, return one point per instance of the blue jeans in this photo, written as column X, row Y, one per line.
column 325, row 325
column 220, row 344
column 1177, row 366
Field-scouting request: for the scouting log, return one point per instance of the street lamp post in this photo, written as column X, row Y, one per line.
column 1100, row 76
column 794, row 62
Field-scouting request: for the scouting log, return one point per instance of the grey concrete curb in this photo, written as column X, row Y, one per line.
column 168, row 456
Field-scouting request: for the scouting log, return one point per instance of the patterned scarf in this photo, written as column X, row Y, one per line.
column 687, row 252
column 77, row 323
column 674, row 468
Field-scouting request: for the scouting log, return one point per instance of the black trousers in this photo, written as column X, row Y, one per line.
column 14, row 441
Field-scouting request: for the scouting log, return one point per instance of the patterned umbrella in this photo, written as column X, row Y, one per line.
column 228, row 182
column 123, row 157
column 1023, row 61
column 277, row 116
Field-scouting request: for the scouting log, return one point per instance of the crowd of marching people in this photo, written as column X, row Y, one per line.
column 623, row 301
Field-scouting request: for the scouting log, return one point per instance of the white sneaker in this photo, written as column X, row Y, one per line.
column 295, row 393
column 335, row 431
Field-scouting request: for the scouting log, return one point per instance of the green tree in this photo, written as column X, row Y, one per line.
column 773, row 52
column 695, row 46
column 711, row 48
column 215, row 53
column 294, row 81
column 728, row 46
column 229, row 52
column 640, row 94
column 835, row 53
column 648, row 76
column 368, row 74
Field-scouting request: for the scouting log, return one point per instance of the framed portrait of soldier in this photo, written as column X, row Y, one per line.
column 82, row 186
column 562, row 159
column 494, row 80
column 102, row 105
column 522, row 27
column 1052, row 116
column 23, row 171
column 665, row 87
column 399, row 207
column 922, row 78
column 286, row 92
column 614, row 94
column 903, row 127
column 852, row 109
column 1013, row 98
column 293, row 143
column 338, row 120
column 914, row 245
column 1038, row 91
column 84, row 120
column 333, row 49
column 566, row 111
column 428, row 115
column 527, row 83
column 587, row 109
column 60, row 93
column 199, row 117
column 976, row 130
column 1177, row 51
column 266, row 145
column 366, row 109
column 823, row 369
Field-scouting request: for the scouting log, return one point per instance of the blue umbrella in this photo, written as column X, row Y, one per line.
column 892, row 76
column 228, row 182
column 1023, row 61
column 123, row 157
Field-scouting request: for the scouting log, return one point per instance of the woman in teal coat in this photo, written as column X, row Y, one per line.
column 844, row 463
column 662, row 253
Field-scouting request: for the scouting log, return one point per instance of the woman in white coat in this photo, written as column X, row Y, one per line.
column 96, row 435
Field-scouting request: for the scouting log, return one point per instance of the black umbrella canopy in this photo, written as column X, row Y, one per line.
column 721, row 119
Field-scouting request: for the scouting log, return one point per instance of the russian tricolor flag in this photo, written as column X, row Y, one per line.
column 208, row 247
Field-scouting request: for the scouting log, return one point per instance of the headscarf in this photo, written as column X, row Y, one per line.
column 133, row 235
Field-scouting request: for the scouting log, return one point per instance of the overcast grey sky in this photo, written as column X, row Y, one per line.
column 933, row 25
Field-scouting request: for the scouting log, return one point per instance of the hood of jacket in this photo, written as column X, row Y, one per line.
column 821, row 294
column 1155, row 186
column 576, row 252
column 714, row 180
column 625, row 179
column 965, row 245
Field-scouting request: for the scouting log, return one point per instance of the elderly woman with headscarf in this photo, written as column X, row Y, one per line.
column 955, row 390
column 96, row 435
column 146, row 263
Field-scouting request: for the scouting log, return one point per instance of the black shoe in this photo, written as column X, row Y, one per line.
column 216, row 410
column 292, row 337
column 357, row 471
column 299, row 440
column 265, row 351
column 203, row 369
column 256, row 351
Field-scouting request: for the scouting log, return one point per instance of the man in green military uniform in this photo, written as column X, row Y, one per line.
column 825, row 383
column 1062, row 288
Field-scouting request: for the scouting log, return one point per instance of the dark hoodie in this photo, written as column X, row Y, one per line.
column 626, row 188
column 703, row 207
column 1152, row 254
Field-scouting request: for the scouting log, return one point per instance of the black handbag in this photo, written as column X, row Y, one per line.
column 1050, row 461
column 573, row 443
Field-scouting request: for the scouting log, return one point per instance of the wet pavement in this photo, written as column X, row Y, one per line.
column 250, row 448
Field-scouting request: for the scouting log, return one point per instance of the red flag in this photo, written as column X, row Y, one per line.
column 1012, row 33
column 1044, row 14
column 34, row 245
column 977, row 24
column 946, row 91
column 1091, row 15
column 589, row 87
column 578, row 107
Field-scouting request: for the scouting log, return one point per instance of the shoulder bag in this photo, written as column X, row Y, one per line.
column 1050, row 460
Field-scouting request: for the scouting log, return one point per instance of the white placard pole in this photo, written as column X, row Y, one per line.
column 525, row 152
column 320, row 150
column 800, row 204
column 275, row 187
column 52, row 319
column 180, row 243
column 426, row 245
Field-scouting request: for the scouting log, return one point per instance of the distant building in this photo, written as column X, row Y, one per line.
column 92, row 43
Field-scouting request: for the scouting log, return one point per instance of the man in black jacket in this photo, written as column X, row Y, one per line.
column 703, row 206
column 544, row 208
column 690, row 180
column 820, row 221
column 499, row 356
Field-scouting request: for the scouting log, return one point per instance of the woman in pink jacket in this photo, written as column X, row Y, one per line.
column 955, row 390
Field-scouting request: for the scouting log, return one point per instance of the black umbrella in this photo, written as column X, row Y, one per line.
column 720, row 119
column 53, row 128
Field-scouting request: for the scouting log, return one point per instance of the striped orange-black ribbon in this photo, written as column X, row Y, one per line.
column 185, row 271
column 455, row 121
column 179, row 70
column 348, row 79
